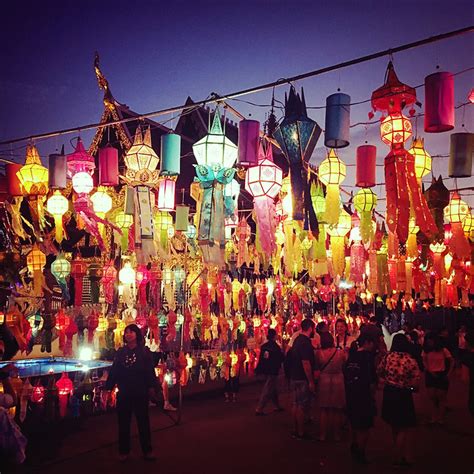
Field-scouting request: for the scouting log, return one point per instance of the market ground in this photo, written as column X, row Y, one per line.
column 226, row 438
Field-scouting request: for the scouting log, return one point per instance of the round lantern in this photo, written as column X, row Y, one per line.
column 191, row 232
column 332, row 172
column 61, row 268
column 127, row 274
column 455, row 212
column 170, row 155
column 14, row 184
column 36, row 260
column 166, row 194
column 108, row 166
column 395, row 129
column 265, row 179
column 336, row 134
column 57, row 170
column 366, row 165
column 468, row 225
column 439, row 102
column 460, row 155
column 33, row 176
column 249, row 134
column 101, row 202
column 82, row 182
column 422, row 158
column 57, row 205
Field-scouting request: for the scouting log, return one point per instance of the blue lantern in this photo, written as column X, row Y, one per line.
column 336, row 133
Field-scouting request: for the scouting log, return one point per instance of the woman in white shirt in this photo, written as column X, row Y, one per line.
column 342, row 339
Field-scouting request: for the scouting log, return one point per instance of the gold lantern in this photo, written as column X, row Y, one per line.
column 36, row 260
column 337, row 235
column 422, row 158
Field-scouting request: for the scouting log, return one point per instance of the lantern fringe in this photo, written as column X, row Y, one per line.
column 366, row 228
column 338, row 254
column 333, row 204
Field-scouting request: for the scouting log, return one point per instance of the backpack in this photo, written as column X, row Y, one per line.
column 287, row 362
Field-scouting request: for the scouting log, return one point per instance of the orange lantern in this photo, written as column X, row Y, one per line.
column 455, row 212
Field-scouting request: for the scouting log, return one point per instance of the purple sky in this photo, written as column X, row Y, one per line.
column 155, row 54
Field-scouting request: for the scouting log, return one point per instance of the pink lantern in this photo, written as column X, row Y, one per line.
column 142, row 276
column 365, row 166
column 249, row 133
column 439, row 102
column 80, row 160
column 65, row 388
column 108, row 166
column 166, row 194
column 263, row 182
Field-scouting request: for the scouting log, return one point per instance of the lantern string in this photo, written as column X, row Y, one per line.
column 260, row 88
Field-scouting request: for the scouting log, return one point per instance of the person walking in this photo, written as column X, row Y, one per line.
column 269, row 364
column 302, row 365
column 438, row 363
column 330, row 361
column 399, row 372
column 360, row 383
column 133, row 373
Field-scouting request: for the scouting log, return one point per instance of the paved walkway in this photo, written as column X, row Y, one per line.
column 226, row 438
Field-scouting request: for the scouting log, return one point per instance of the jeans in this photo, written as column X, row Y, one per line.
column 269, row 392
column 126, row 405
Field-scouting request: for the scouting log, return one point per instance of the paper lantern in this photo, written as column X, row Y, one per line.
column 170, row 155
column 468, row 225
column 297, row 136
column 61, row 268
column 366, row 166
column 14, row 184
column 319, row 201
column 182, row 218
column 80, row 160
column 191, row 232
column 166, row 194
column 215, row 148
column 365, row 201
column 332, row 172
column 33, row 176
column 82, row 182
column 78, row 272
column 439, row 102
column 127, row 274
column 437, row 197
column 422, row 158
column 395, row 129
column 109, row 276
column 57, row 170
column 141, row 157
column 65, row 388
column 336, row 133
column 249, row 137
column 57, row 205
column 108, row 166
column 337, row 235
column 162, row 221
column 123, row 222
column 455, row 212
column 101, row 202
column 36, row 259
column 460, row 155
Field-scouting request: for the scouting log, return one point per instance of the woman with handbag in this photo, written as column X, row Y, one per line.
column 331, row 392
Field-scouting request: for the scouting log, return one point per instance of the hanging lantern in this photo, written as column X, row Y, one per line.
column 182, row 218
column 141, row 160
column 460, row 155
column 127, row 277
column 123, row 222
column 437, row 197
column 33, row 175
column 80, row 160
column 166, row 194
column 365, row 166
column 297, row 136
column 109, row 276
column 439, row 102
column 395, row 129
column 61, row 269
column 82, row 183
column 422, row 158
column 78, row 272
column 264, row 182
column 319, row 201
column 357, row 257
column 162, row 222
column 231, row 205
column 36, row 260
column 57, row 170
column 338, row 109
column 108, row 166
column 455, row 212
column 332, row 172
column 167, row 276
column 412, row 245
column 249, row 137
column 170, row 155
column 365, row 201
column 57, row 205
column 101, row 202
column 191, row 232
column 468, row 225
column 242, row 235
column 337, row 235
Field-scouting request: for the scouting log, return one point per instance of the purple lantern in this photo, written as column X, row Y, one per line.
column 249, row 134
column 108, row 166
column 439, row 102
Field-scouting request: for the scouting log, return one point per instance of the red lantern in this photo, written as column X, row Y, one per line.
column 62, row 322
column 108, row 166
column 78, row 272
column 65, row 388
column 365, row 166
column 166, row 194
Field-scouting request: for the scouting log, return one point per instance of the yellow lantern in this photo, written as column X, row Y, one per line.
column 422, row 158
column 36, row 260
column 412, row 245
column 33, row 175
column 468, row 225
column 162, row 222
column 337, row 235
column 455, row 212
column 123, row 222
column 57, row 205
column 332, row 172
column 365, row 201
column 101, row 201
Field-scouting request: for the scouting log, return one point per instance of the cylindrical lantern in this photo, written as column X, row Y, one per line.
column 249, row 133
column 439, row 102
column 366, row 166
column 57, row 170
column 182, row 218
column 108, row 166
column 14, row 186
column 166, row 194
column 170, row 154
column 460, row 155
column 338, row 108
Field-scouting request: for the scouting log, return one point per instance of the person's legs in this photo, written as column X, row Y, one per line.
column 274, row 391
column 434, row 404
column 400, row 441
column 323, row 423
column 442, row 397
column 299, row 420
column 265, row 395
column 140, row 407
column 338, row 421
column 124, row 414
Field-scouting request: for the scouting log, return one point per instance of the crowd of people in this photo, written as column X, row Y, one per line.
column 340, row 373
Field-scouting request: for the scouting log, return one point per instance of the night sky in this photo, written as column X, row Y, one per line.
column 156, row 53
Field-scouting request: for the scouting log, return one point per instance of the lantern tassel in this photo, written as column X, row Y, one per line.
column 333, row 204
column 265, row 212
column 338, row 254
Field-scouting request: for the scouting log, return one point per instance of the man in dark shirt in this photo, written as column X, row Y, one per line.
column 271, row 358
column 301, row 376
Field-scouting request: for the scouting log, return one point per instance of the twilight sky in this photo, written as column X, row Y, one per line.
column 156, row 53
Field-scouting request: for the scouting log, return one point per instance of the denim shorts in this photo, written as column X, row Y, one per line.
column 301, row 393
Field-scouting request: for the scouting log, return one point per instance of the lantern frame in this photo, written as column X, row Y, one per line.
column 332, row 170
column 395, row 129
column 264, row 179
